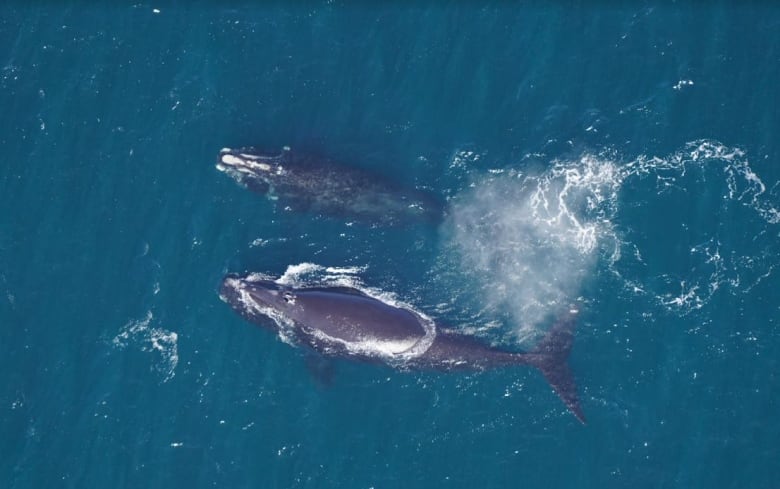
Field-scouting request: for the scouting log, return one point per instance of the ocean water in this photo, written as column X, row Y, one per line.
column 621, row 158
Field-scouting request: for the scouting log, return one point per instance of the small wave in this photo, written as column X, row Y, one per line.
column 682, row 83
column 464, row 158
column 261, row 243
column 307, row 274
column 163, row 342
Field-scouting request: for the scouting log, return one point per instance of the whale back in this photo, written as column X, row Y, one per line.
column 350, row 316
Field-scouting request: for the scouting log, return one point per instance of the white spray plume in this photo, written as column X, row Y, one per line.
column 530, row 240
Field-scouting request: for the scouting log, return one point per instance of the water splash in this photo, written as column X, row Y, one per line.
column 304, row 274
column 149, row 339
column 529, row 241
column 730, row 248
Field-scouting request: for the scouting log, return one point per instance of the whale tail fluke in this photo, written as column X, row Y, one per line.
column 551, row 357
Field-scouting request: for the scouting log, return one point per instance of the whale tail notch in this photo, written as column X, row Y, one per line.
column 551, row 357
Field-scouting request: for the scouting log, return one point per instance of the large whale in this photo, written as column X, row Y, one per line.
column 345, row 322
column 304, row 183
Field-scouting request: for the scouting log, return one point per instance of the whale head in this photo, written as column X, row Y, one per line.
column 257, row 298
column 251, row 168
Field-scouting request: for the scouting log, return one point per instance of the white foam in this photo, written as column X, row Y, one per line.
column 683, row 83
column 307, row 274
column 530, row 240
column 261, row 242
column 464, row 158
column 744, row 198
column 256, row 277
column 397, row 351
column 158, row 340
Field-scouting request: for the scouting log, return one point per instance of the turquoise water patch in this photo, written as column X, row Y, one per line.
column 619, row 158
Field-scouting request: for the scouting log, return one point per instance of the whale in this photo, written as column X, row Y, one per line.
column 304, row 183
column 345, row 322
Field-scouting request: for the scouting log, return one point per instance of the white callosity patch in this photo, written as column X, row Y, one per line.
column 159, row 340
column 245, row 165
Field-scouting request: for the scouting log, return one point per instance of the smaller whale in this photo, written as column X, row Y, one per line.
column 307, row 184
column 345, row 322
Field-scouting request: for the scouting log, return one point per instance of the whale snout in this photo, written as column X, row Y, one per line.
column 256, row 298
column 231, row 282
column 230, row 288
column 240, row 292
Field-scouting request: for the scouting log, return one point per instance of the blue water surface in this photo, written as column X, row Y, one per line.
column 620, row 158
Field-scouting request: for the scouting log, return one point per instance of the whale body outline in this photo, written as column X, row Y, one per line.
column 305, row 183
column 346, row 322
